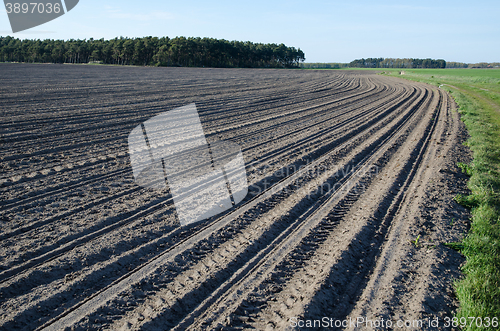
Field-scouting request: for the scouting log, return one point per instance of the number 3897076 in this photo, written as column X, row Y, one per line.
column 33, row 7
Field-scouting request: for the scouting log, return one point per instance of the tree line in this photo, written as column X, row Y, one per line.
column 456, row 65
column 484, row 65
column 147, row 51
column 397, row 63
column 318, row 65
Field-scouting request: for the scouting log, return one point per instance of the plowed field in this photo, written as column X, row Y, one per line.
column 351, row 182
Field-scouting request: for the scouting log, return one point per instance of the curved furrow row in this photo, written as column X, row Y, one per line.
column 34, row 175
column 113, row 290
column 222, row 299
column 330, row 159
column 66, row 243
column 119, row 122
column 81, row 168
column 103, row 105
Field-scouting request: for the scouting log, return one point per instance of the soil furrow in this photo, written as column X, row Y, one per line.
column 344, row 168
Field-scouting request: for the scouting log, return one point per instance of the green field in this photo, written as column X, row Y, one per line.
column 481, row 83
column 477, row 92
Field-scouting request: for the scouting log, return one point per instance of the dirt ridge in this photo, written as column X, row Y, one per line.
column 345, row 170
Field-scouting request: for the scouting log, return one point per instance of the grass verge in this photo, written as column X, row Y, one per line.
column 477, row 92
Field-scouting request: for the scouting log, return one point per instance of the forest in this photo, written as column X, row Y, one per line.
column 153, row 51
column 397, row 63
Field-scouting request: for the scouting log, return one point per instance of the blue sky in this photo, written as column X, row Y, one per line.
column 327, row 31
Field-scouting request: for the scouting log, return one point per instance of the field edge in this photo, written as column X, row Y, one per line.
column 479, row 290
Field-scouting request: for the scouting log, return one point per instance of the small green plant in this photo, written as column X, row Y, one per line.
column 466, row 168
column 416, row 241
